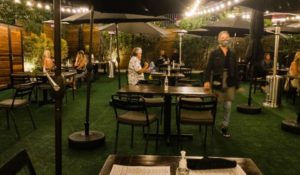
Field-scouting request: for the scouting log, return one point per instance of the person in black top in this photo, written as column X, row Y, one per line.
column 221, row 74
column 175, row 56
column 161, row 59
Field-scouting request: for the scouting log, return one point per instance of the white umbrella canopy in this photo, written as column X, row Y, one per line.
column 136, row 28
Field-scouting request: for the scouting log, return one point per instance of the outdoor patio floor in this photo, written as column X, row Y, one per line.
column 258, row 137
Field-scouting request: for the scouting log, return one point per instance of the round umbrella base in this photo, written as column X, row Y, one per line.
column 79, row 140
column 290, row 126
column 246, row 109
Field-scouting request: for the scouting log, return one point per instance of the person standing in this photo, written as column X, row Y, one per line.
column 222, row 75
column 135, row 69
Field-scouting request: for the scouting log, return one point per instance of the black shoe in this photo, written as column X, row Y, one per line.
column 224, row 132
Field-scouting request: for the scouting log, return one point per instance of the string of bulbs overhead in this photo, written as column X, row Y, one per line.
column 46, row 6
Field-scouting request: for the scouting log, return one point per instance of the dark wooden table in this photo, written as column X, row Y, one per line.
column 167, row 93
column 151, row 160
column 172, row 78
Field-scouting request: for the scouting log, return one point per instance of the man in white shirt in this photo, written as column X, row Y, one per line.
column 135, row 69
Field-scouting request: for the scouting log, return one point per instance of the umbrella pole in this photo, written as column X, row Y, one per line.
column 118, row 56
column 58, row 94
column 88, row 139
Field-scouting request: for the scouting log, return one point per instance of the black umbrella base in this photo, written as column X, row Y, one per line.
column 290, row 126
column 246, row 109
column 79, row 140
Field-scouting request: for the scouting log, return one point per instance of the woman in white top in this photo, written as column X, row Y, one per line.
column 135, row 69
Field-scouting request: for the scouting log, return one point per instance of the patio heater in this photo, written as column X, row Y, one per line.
column 180, row 34
column 110, row 63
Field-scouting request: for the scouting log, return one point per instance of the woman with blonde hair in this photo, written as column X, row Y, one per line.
column 48, row 63
column 80, row 62
column 295, row 71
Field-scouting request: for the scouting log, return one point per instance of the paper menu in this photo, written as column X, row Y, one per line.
column 228, row 171
column 140, row 170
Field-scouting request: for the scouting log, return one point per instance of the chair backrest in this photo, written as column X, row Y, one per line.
column 156, row 82
column 129, row 103
column 23, row 90
column 19, row 78
column 198, row 103
column 17, row 163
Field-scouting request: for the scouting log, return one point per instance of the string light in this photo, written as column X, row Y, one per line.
column 29, row 4
column 39, row 5
column 194, row 8
column 212, row 8
column 48, row 7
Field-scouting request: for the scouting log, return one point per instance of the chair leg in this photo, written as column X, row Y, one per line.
column 157, row 129
column 7, row 119
column 73, row 93
column 205, row 138
column 31, row 117
column 161, row 114
column 116, row 139
column 179, row 136
column 14, row 122
column 147, row 140
column 132, row 133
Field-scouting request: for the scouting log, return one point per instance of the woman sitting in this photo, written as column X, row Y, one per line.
column 295, row 72
column 80, row 65
column 48, row 63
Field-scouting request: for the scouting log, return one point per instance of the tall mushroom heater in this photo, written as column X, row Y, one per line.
column 254, row 54
column 180, row 34
column 88, row 139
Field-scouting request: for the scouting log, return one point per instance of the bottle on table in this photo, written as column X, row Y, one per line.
column 182, row 168
column 166, row 83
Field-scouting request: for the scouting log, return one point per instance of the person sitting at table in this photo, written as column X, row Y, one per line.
column 135, row 70
column 48, row 63
column 175, row 56
column 295, row 71
column 80, row 66
column 268, row 62
column 161, row 59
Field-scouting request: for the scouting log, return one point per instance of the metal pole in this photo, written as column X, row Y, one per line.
column 89, row 73
column 58, row 96
column 180, row 46
column 118, row 55
column 276, row 49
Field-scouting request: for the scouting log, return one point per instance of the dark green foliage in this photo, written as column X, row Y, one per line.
column 30, row 18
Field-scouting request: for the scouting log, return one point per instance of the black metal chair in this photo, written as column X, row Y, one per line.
column 17, row 163
column 43, row 85
column 196, row 110
column 19, row 78
column 134, row 113
column 18, row 101
column 154, row 101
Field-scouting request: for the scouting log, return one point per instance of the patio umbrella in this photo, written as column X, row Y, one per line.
column 113, row 18
column 146, row 7
column 254, row 54
column 235, row 26
column 285, row 29
column 136, row 28
column 85, row 139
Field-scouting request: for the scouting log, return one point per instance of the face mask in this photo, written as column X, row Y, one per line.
column 224, row 43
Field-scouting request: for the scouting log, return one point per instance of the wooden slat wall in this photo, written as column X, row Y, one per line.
column 5, row 55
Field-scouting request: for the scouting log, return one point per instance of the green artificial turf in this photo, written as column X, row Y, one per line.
column 258, row 137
